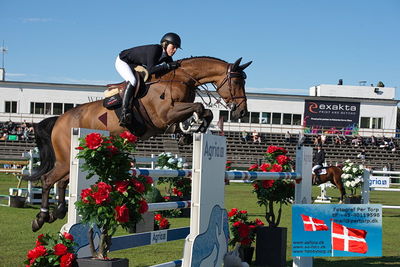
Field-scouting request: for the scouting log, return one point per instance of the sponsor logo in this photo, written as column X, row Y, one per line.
column 159, row 237
column 214, row 151
column 315, row 108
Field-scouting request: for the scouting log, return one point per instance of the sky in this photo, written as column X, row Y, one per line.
column 294, row 45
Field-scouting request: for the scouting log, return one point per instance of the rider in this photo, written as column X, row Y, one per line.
column 155, row 58
column 319, row 159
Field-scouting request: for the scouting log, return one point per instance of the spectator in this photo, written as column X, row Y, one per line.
column 317, row 140
column 361, row 155
column 302, row 138
column 338, row 140
column 245, row 136
column 288, row 137
column 373, row 140
column 256, row 137
column 323, row 138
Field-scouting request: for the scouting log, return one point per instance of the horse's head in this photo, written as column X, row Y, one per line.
column 231, row 88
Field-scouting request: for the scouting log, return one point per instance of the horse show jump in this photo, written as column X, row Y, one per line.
column 206, row 238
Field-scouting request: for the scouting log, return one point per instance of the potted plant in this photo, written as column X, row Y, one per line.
column 244, row 233
column 271, row 240
column 352, row 179
column 117, row 198
column 52, row 250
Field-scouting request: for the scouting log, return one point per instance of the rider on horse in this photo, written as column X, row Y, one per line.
column 319, row 159
column 155, row 58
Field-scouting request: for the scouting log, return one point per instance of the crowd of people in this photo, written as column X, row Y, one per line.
column 12, row 131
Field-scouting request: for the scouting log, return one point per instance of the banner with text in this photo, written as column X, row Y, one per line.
column 331, row 113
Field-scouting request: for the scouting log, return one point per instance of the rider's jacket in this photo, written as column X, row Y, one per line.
column 319, row 157
column 149, row 56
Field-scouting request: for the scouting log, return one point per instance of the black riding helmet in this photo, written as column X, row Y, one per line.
column 172, row 38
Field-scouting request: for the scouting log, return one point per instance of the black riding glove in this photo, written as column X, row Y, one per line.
column 173, row 65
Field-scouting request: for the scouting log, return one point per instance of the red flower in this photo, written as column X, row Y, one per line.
column 68, row 236
column 93, row 140
column 67, row 260
column 259, row 222
column 243, row 211
column 122, row 214
column 272, row 149
column 245, row 242
column 167, row 198
column 143, row 207
column 80, row 148
column 149, row 180
column 244, row 230
column 103, row 193
column 121, row 186
column 237, row 224
column 158, row 217
column 268, row 183
column 253, row 167
column 37, row 252
column 128, row 136
column 282, row 159
column 60, row 249
column 177, row 192
column 139, row 187
column 85, row 194
column 255, row 185
column 38, row 240
column 276, row 168
column 265, row 167
column 164, row 223
column 233, row 212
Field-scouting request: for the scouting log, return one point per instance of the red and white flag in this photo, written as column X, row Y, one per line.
column 313, row 224
column 348, row 239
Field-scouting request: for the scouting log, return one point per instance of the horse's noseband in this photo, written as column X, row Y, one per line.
column 228, row 78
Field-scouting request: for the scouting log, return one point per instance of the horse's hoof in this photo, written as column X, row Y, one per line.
column 36, row 225
column 60, row 213
column 52, row 218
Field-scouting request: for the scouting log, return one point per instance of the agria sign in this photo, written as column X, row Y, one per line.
column 214, row 150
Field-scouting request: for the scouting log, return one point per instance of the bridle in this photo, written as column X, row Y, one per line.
column 228, row 79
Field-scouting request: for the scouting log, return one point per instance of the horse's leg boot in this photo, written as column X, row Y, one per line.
column 126, row 116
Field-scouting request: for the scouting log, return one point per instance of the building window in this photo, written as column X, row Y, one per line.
column 57, row 108
column 287, row 119
column 245, row 118
column 266, row 118
column 10, row 107
column 68, row 106
column 365, row 122
column 296, row 119
column 376, row 123
column 255, row 117
column 276, row 118
column 224, row 114
column 40, row 108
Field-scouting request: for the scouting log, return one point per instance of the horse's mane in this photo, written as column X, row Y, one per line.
column 202, row 57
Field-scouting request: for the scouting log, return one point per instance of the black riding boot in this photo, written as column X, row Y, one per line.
column 126, row 116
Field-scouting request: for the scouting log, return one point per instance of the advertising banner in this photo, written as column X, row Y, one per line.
column 331, row 113
column 337, row 230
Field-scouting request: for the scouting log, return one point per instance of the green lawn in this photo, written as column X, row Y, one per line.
column 17, row 238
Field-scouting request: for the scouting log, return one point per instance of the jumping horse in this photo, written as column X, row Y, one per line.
column 334, row 175
column 169, row 100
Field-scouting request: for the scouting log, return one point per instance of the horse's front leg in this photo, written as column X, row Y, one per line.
column 180, row 112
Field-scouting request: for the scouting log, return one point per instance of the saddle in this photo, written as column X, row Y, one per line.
column 113, row 101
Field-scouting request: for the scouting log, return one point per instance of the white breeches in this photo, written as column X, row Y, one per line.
column 316, row 167
column 125, row 71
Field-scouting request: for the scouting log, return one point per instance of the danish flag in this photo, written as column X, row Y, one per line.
column 312, row 224
column 348, row 239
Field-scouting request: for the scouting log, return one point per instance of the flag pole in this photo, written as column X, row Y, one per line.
column 331, row 237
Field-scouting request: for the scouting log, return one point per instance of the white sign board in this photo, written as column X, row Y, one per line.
column 379, row 181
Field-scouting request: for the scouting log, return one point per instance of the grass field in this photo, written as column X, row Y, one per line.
column 17, row 238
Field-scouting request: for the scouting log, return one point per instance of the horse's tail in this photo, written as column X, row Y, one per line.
column 43, row 131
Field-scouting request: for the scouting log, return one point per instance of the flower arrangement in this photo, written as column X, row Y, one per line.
column 274, row 191
column 243, row 230
column 178, row 186
column 161, row 222
column 352, row 176
column 117, row 198
column 52, row 250
column 228, row 165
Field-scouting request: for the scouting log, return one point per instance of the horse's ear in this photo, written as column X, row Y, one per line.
column 236, row 64
column 242, row 67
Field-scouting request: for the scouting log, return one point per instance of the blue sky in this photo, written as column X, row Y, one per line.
column 293, row 44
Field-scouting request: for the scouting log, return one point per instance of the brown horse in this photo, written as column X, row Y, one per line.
column 333, row 175
column 169, row 100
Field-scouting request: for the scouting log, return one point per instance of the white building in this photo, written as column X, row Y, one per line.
column 364, row 109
